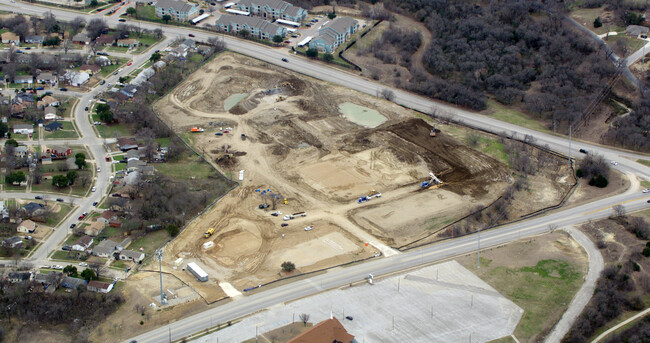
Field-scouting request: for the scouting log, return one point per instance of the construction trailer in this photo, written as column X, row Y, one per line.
column 200, row 274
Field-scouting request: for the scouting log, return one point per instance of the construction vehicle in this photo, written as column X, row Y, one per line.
column 285, row 201
column 196, row 129
column 288, row 217
column 208, row 233
column 276, row 213
column 263, row 206
column 280, row 98
column 433, row 132
column 374, row 194
column 222, row 157
column 300, row 214
column 433, row 181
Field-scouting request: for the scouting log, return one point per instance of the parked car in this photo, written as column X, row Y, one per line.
column 284, row 225
column 93, row 189
column 583, row 151
column 108, row 158
column 59, row 200
column 97, row 123
column 115, row 73
column 63, row 89
column 38, row 197
column 647, row 190
column 121, row 20
column 130, row 63
column 102, row 53
column 348, row 317
column 48, row 93
column 95, row 203
column 83, row 264
column 73, row 225
column 86, row 109
column 39, row 88
column 99, row 169
column 309, row 228
column 65, row 247
column 614, row 163
column 81, row 217
column 28, row 237
column 191, row 35
column 102, row 82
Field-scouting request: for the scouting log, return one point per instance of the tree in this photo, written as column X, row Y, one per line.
column 331, row 15
column 387, row 94
column 80, row 160
column 599, row 181
column 245, row 33
column 327, row 57
column 66, row 45
column 312, row 52
column 37, row 176
column 597, row 22
column 98, row 269
column 52, row 41
column 278, row 39
column 166, row 18
column 94, row 3
column 131, row 11
column 173, row 230
column 104, row 113
column 59, row 181
column 70, row 271
column 15, row 177
column 155, row 57
column 71, row 176
column 11, row 142
column 88, row 274
column 95, row 28
column 304, row 318
column 288, row 266
column 76, row 24
column 158, row 32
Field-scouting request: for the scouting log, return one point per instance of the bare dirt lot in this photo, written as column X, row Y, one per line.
column 301, row 147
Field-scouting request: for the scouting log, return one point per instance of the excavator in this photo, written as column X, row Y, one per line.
column 433, row 181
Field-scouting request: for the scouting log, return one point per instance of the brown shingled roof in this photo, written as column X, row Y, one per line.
column 327, row 331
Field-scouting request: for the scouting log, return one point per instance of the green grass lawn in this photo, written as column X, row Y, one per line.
column 75, row 189
column 146, row 41
column 150, row 242
column 513, row 116
column 632, row 44
column 62, row 255
column 68, row 131
column 146, row 12
column 586, row 17
column 110, row 131
column 645, row 184
column 118, row 264
column 55, row 218
column 494, row 148
column 110, row 69
column 186, row 168
column 165, row 142
column 644, row 162
column 541, row 290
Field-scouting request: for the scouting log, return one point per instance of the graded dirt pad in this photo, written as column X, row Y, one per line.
column 301, row 147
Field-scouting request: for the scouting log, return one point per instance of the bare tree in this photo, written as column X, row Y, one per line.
column 95, row 27
column 387, row 94
column 158, row 32
column 618, row 211
column 98, row 268
column 304, row 317
column 76, row 24
column 66, row 45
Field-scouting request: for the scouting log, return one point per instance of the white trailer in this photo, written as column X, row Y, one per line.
column 200, row 274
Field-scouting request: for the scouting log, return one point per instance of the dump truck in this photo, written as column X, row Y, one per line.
column 288, row 217
column 374, row 194
column 208, row 233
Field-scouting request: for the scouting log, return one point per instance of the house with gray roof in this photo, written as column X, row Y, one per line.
column 23, row 79
column 73, row 282
column 273, row 9
column 258, row 27
column 334, row 33
column 636, row 30
column 105, row 248
column 34, row 39
column 177, row 9
column 129, row 255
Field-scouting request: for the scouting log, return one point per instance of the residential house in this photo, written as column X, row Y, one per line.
column 34, row 39
column 179, row 51
column 146, row 170
column 189, row 44
column 327, row 331
column 129, row 90
column 46, row 78
column 25, row 99
column 126, row 144
column 133, row 256
column 106, row 217
column 71, row 57
column 124, row 244
column 115, row 223
column 76, row 79
column 94, row 229
column 258, row 27
column 14, row 242
column 33, row 209
column 636, row 30
column 10, row 38
column 334, row 33
column 128, row 42
column 132, row 155
column 20, row 151
column 50, row 113
column 50, row 100
column 159, row 65
column 15, row 277
column 99, row 287
column 102, row 61
column 273, row 9
column 53, row 126
column 24, row 79
column 50, row 281
column 81, row 38
column 72, row 282
column 134, row 165
column 58, row 151
column 23, row 129
column 105, row 40
column 90, row 69
column 178, row 10
column 105, row 248
column 26, row 226
column 83, row 243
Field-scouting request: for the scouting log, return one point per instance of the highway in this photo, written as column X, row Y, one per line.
column 341, row 276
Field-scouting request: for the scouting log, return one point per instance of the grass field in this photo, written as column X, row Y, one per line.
column 110, row 131
column 68, row 131
column 586, row 16
column 185, row 168
column 513, row 116
column 645, row 184
column 644, row 162
column 150, row 242
column 55, row 218
column 493, row 147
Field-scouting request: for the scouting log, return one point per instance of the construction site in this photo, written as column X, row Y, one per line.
column 327, row 175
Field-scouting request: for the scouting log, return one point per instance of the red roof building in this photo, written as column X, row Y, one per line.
column 327, row 331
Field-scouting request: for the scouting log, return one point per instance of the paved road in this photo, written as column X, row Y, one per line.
column 582, row 297
column 342, row 276
column 629, row 320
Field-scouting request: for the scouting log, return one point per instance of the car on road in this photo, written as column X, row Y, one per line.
column 348, row 317
column 83, row 264
column 121, row 20
column 583, row 151
column 38, row 197
column 191, row 35
column 81, row 217
column 86, row 109
column 59, row 267
column 94, row 189
column 99, row 169
column 102, row 53
column 102, row 82
column 28, row 237
column 285, row 60
column 284, row 225
column 287, row 41
column 614, row 163
column 115, row 73
column 85, row 213
column 63, row 89
column 59, row 200
column 95, row 203
column 309, row 228
column 130, row 63
column 647, row 190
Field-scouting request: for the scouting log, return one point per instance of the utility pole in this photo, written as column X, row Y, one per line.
column 159, row 255
column 478, row 258
column 570, row 146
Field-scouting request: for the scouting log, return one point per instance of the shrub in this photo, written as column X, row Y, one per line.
column 599, row 181
column 288, row 266
column 312, row 52
column 597, row 22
